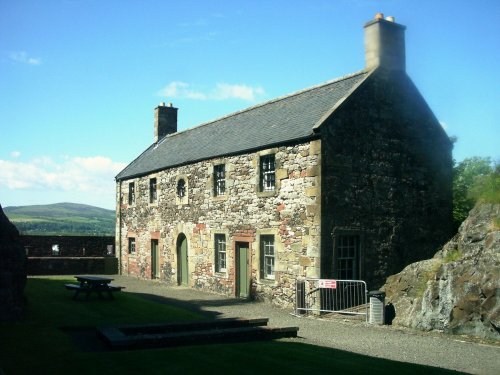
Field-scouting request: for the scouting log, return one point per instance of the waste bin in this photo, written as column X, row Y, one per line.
column 377, row 302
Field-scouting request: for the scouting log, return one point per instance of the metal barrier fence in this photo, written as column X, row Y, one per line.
column 331, row 296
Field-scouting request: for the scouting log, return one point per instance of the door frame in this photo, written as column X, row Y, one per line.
column 237, row 282
column 180, row 261
column 155, row 259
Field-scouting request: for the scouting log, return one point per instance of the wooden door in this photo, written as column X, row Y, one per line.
column 242, row 270
column 155, row 260
column 182, row 260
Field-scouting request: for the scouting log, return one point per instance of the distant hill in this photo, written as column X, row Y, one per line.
column 62, row 219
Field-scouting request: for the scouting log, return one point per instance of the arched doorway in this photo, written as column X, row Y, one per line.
column 182, row 260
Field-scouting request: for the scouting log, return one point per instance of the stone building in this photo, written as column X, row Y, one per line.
column 350, row 179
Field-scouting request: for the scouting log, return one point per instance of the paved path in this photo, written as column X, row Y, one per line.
column 388, row 342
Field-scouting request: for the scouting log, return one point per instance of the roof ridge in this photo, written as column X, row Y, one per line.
column 271, row 101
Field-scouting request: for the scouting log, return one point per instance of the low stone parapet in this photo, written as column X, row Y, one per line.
column 72, row 265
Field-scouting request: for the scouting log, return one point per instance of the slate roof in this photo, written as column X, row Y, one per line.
column 278, row 121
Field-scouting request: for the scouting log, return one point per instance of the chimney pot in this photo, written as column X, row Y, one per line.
column 390, row 19
column 379, row 16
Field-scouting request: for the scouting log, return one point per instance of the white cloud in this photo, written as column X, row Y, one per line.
column 226, row 91
column 444, row 125
column 222, row 91
column 23, row 58
column 93, row 175
column 15, row 154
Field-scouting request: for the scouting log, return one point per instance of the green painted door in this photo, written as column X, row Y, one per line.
column 242, row 274
column 155, row 260
column 182, row 260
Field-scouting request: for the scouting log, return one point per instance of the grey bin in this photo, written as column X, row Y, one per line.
column 377, row 307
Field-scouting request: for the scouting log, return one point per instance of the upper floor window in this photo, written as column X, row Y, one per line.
column 131, row 193
column 267, row 172
column 131, row 245
column 267, row 256
column 181, row 188
column 152, row 190
column 219, row 180
column 220, row 252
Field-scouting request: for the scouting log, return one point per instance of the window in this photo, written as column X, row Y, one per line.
column 152, row 190
column 347, row 257
column 181, row 188
column 110, row 250
column 131, row 193
column 220, row 252
column 55, row 250
column 267, row 256
column 219, row 180
column 131, row 245
column 267, row 172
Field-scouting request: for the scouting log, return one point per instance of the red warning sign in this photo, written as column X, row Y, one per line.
column 328, row 284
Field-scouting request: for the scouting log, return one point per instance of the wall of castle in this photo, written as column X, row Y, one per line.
column 290, row 213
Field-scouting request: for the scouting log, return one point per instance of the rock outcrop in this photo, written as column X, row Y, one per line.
column 458, row 290
column 13, row 271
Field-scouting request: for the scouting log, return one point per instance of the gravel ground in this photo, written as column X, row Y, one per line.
column 353, row 335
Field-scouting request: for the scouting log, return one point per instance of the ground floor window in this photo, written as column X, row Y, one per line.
column 267, row 256
column 220, row 252
column 347, row 257
column 131, row 245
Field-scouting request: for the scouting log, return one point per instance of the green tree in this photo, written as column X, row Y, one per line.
column 486, row 188
column 466, row 174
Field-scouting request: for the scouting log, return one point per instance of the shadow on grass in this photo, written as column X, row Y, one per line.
column 52, row 351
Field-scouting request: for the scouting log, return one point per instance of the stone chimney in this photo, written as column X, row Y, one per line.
column 385, row 43
column 165, row 120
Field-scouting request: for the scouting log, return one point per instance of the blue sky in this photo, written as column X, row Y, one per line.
column 79, row 79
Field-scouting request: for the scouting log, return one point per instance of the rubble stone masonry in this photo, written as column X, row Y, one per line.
column 292, row 213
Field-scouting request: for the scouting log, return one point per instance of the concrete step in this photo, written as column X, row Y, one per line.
column 190, row 333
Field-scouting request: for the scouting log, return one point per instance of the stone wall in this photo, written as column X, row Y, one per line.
column 12, row 271
column 291, row 214
column 72, row 265
column 69, row 246
column 387, row 176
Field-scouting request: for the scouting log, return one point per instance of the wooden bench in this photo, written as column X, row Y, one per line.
column 109, row 289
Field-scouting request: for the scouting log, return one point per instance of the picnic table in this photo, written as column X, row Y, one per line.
column 93, row 284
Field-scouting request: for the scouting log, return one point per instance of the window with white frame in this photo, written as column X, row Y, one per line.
column 267, row 172
column 220, row 252
column 152, row 190
column 267, row 256
column 131, row 193
column 219, row 180
column 131, row 245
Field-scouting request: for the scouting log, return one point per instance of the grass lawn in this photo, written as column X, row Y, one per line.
column 38, row 345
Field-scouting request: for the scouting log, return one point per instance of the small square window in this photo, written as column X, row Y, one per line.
column 55, row 250
column 219, row 180
column 152, row 190
column 220, row 252
column 131, row 245
column 131, row 193
column 267, row 172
